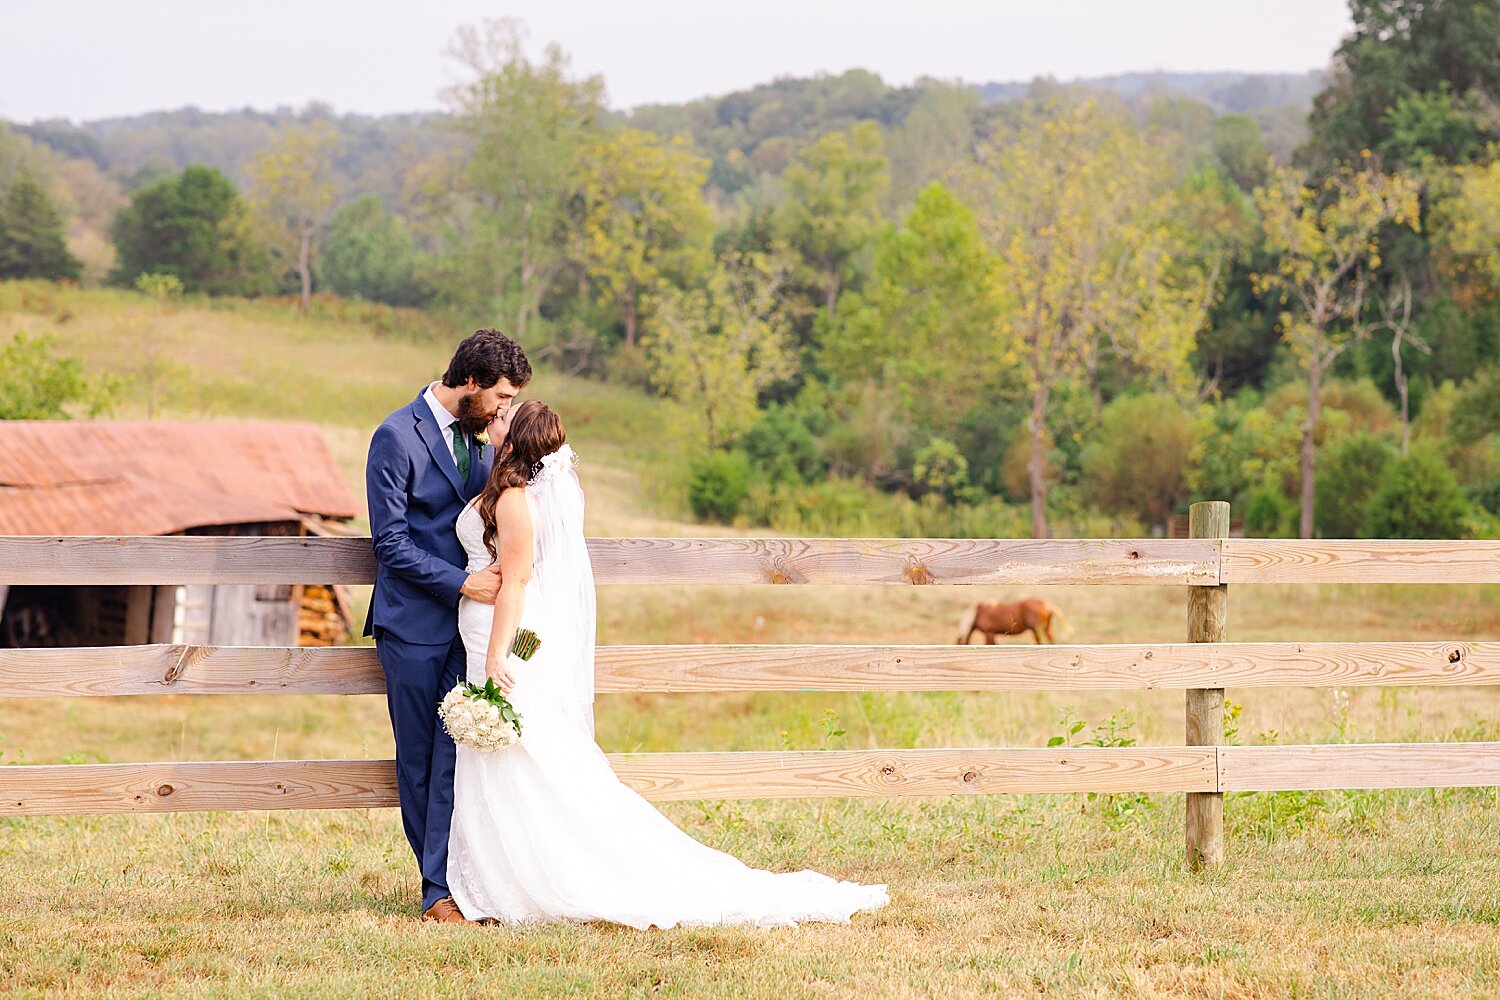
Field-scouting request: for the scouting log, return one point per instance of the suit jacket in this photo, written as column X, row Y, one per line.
column 415, row 496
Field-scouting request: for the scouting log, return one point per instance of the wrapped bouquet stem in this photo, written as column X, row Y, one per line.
column 525, row 643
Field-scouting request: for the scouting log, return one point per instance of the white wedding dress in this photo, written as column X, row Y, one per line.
column 543, row 830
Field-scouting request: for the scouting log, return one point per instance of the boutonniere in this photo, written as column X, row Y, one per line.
column 482, row 438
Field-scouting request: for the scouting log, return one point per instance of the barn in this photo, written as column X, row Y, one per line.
column 79, row 477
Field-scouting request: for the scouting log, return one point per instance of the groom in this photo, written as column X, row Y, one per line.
column 424, row 466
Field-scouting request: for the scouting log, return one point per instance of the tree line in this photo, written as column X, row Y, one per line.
column 979, row 318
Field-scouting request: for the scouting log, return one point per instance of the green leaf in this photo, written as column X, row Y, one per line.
column 1055, row 741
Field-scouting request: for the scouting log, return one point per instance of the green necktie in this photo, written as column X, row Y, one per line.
column 461, row 452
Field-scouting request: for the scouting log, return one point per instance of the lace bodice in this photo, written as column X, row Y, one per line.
column 470, row 531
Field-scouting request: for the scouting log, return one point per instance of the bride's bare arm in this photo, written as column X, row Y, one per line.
column 513, row 542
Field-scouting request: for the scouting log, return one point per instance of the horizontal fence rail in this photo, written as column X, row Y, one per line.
column 199, row 559
column 1359, row 765
column 46, row 560
column 186, row 669
column 193, row 786
column 1375, row 560
column 1203, row 668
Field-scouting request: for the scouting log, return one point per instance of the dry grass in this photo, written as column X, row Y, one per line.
column 1338, row 894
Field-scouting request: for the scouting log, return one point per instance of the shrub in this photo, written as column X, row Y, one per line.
column 719, row 484
column 1486, row 496
column 1140, row 460
column 1419, row 497
column 37, row 384
column 1348, row 477
column 941, row 468
column 1270, row 513
column 783, row 449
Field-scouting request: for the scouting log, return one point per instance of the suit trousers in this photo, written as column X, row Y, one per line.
column 416, row 678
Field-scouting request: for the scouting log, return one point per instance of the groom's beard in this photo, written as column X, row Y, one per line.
column 470, row 417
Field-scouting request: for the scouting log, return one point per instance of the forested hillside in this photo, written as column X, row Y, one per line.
column 935, row 309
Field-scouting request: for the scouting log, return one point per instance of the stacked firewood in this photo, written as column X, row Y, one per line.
column 324, row 618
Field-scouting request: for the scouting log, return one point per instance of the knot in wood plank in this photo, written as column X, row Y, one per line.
column 185, row 657
column 164, row 790
column 918, row 575
column 780, row 572
column 1455, row 656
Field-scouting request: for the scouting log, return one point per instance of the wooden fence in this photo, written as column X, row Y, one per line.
column 1203, row 667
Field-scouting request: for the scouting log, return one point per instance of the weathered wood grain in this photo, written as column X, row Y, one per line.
column 188, row 669
column 46, row 560
column 1026, row 667
column 1359, row 765
column 903, row 561
column 201, row 786
column 185, row 560
column 196, row 786
column 797, row 774
column 1285, row 560
column 182, row 669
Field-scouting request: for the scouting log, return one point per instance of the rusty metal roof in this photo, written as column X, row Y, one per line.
column 64, row 477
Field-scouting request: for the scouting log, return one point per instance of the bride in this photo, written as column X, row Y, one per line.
column 543, row 830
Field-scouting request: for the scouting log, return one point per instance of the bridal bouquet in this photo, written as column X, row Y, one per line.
column 482, row 717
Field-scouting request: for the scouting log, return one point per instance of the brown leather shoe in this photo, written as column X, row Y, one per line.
column 446, row 911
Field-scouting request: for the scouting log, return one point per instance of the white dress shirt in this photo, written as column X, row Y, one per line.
column 444, row 419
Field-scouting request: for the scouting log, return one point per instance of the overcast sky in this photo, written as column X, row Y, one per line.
column 84, row 59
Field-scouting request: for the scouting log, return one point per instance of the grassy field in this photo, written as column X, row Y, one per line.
column 1332, row 894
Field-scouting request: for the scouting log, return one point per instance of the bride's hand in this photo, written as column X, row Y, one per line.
column 501, row 675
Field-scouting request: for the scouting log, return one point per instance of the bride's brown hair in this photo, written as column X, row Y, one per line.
column 535, row 432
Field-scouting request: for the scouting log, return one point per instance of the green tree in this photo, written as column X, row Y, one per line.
column 932, row 142
column 1138, row 464
column 645, row 219
column 194, row 227
column 1419, row 497
column 832, row 211
column 1080, row 217
column 1326, row 237
column 369, row 254
column 36, row 384
column 717, row 347
column 32, row 243
column 1240, row 150
column 1402, row 79
column 1476, row 412
column 525, row 124
column 1470, row 220
column 292, row 192
column 1350, row 474
column 1241, row 446
column 923, row 329
column 940, row 469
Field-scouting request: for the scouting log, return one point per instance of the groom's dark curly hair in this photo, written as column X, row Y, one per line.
column 487, row 356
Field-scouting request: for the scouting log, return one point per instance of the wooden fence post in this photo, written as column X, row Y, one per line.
column 1206, row 612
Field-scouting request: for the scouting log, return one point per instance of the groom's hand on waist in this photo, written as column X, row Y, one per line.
column 483, row 586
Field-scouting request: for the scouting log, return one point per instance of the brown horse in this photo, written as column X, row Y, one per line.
column 1011, row 618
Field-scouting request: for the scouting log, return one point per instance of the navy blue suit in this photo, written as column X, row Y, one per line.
column 415, row 495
